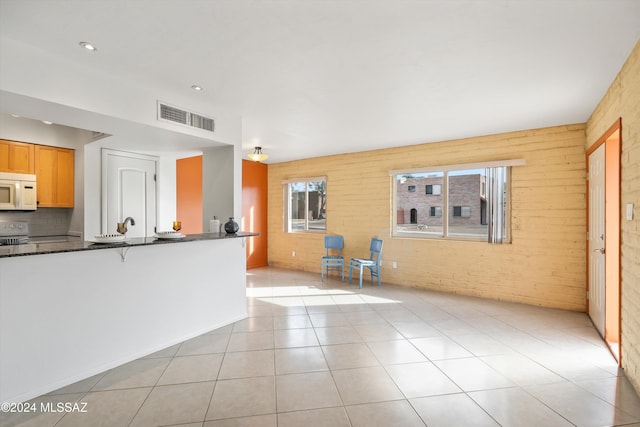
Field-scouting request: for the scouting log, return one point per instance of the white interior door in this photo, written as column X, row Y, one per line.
column 596, row 242
column 128, row 190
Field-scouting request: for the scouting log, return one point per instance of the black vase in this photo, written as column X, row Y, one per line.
column 231, row 227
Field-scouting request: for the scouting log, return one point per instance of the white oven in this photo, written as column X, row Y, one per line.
column 18, row 192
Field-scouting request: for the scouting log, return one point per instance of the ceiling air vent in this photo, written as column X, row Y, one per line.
column 173, row 114
column 202, row 122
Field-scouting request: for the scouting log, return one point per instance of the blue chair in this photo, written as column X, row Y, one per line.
column 333, row 258
column 373, row 263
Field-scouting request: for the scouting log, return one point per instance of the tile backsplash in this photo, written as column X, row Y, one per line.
column 44, row 221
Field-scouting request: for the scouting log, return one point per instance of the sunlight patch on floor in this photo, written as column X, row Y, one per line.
column 293, row 296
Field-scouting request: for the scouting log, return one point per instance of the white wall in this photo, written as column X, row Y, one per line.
column 219, row 181
column 80, row 313
column 166, row 201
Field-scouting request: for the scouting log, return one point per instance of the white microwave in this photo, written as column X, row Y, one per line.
column 18, row 192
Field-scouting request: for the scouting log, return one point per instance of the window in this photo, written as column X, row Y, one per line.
column 306, row 204
column 412, row 188
column 462, row 211
column 434, row 189
column 474, row 197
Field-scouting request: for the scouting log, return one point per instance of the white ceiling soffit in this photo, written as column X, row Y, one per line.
column 318, row 77
column 119, row 132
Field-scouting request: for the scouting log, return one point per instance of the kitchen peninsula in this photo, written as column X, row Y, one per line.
column 74, row 309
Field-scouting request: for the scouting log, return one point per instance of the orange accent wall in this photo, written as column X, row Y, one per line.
column 254, row 211
column 189, row 194
column 612, row 233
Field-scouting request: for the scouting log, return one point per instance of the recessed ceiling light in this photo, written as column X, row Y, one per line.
column 46, row 122
column 88, row 46
column 196, row 88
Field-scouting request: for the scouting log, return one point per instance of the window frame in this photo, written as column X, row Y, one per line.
column 445, row 169
column 436, row 190
column 287, row 208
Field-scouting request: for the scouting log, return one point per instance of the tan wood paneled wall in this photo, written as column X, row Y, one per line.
column 545, row 264
column 622, row 100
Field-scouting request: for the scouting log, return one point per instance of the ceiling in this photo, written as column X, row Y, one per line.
column 320, row 77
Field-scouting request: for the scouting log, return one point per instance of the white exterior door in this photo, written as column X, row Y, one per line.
column 128, row 190
column 596, row 242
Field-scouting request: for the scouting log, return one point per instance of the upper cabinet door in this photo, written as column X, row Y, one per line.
column 54, row 173
column 46, row 168
column 17, row 157
column 64, row 182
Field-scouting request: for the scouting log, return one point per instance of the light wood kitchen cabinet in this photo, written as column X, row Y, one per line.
column 54, row 174
column 16, row 157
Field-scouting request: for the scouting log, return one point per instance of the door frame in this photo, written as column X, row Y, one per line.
column 613, row 157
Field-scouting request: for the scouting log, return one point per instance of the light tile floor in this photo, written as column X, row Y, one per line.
column 314, row 354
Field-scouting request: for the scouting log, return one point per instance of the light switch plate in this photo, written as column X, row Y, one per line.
column 629, row 211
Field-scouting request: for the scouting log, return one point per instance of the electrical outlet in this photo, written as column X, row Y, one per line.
column 293, row 253
column 394, row 264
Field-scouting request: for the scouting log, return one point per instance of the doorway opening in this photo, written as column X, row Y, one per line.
column 414, row 216
column 603, row 241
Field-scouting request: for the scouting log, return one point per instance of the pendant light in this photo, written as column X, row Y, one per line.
column 258, row 155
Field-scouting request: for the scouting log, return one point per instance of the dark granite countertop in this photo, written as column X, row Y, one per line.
column 43, row 248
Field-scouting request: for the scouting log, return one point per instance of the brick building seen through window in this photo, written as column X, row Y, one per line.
column 467, row 201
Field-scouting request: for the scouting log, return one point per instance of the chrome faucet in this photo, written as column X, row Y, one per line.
column 122, row 226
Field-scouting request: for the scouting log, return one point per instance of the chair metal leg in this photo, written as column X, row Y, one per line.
column 350, row 273
column 361, row 267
